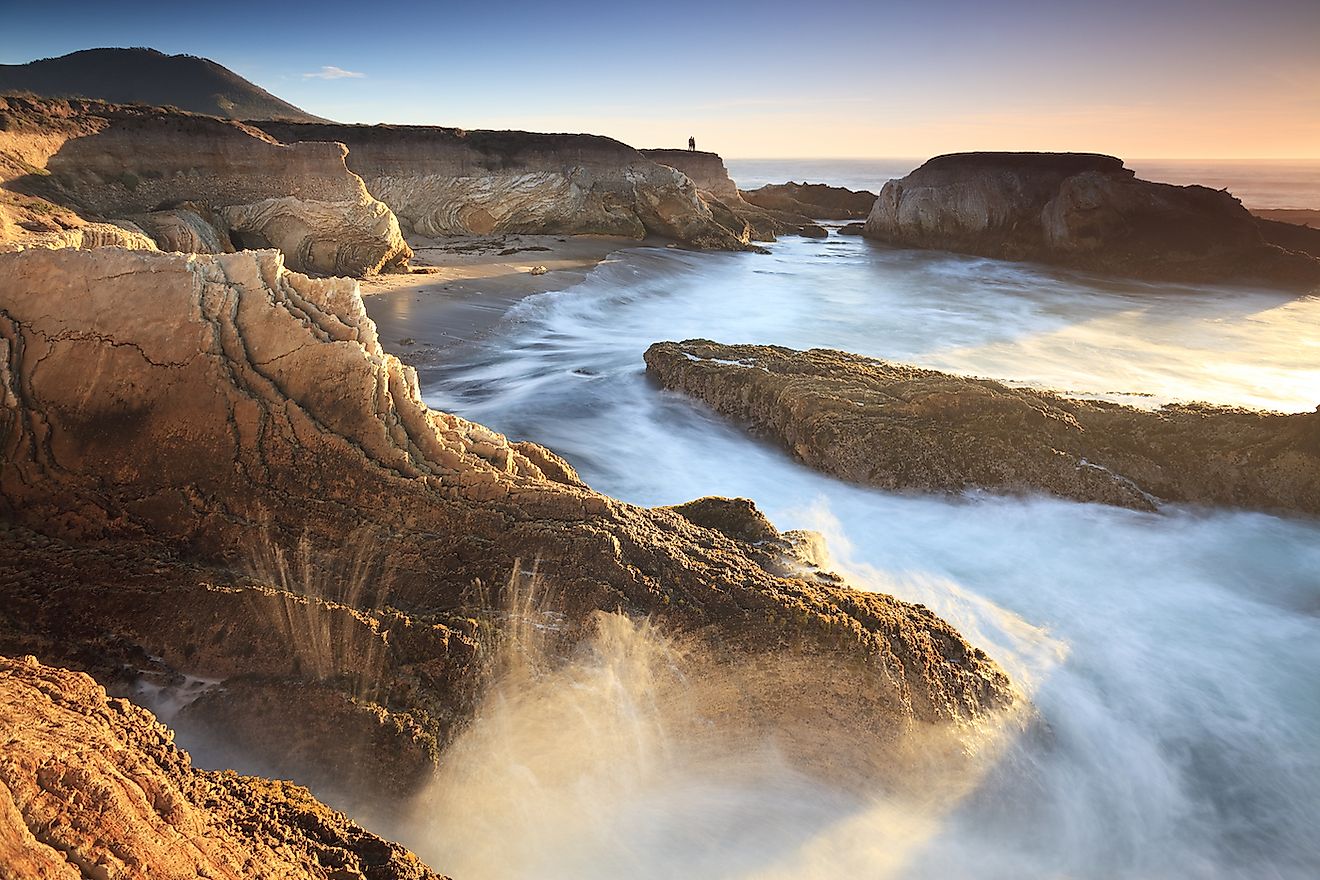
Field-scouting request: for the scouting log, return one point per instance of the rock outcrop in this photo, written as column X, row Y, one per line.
column 1080, row 210
column 818, row 200
column 94, row 787
column 898, row 427
column 718, row 190
column 99, row 162
column 447, row 181
column 273, row 508
column 1297, row 237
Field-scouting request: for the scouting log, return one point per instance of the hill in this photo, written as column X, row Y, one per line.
column 146, row 76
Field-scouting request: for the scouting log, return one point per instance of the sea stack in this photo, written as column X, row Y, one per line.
column 1085, row 211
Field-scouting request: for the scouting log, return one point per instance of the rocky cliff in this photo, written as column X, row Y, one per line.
column 901, row 428
column 212, row 472
column 717, row 189
column 1080, row 210
column 94, row 787
column 189, row 181
column 813, row 200
column 447, row 181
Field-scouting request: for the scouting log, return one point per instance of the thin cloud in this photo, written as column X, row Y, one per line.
column 332, row 72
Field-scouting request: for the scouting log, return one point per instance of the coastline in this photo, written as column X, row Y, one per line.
column 463, row 285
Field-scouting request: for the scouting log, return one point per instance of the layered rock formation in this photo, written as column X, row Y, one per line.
column 816, row 200
column 901, row 428
column 447, row 181
column 94, row 787
column 1080, row 210
column 274, row 509
column 69, row 162
column 718, row 190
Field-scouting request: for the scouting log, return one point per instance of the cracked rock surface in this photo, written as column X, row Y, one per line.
column 211, row 470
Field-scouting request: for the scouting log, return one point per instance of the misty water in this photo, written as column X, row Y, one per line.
column 1172, row 655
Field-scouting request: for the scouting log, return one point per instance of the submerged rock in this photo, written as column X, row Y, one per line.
column 94, row 787
column 898, row 427
column 817, row 200
column 1081, row 210
column 108, row 162
column 212, row 468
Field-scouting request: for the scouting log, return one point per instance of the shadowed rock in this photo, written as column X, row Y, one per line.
column 899, row 427
column 1081, row 210
column 145, row 76
column 813, row 200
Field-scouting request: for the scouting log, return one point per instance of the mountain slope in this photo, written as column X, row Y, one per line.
column 149, row 77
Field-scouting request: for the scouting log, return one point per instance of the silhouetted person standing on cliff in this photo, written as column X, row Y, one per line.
column 692, row 143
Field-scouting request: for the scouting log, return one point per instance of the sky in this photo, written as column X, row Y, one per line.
column 1219, row 79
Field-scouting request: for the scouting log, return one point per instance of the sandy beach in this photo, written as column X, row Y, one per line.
column 461, row 286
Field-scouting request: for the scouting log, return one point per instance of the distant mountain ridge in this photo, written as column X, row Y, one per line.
column 146, row 76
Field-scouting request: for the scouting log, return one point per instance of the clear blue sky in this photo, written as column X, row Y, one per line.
column 1194, row 78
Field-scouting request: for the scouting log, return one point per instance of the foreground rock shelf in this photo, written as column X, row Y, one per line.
column 898, row 427
column 211, row 471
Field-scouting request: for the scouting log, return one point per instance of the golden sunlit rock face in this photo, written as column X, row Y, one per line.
column 94, row 787
column 253, row 423
column 443, row 181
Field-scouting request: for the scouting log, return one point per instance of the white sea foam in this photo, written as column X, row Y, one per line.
column 1172, row 655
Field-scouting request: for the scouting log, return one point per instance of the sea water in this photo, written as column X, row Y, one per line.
column 1172, row 656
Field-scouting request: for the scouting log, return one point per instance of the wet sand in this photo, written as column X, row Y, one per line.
column 462, row 285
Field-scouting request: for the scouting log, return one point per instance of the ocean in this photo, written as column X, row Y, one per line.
column 1281, row 183
column 1172, row 656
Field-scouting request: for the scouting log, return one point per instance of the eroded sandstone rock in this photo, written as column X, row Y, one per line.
column 1081, row 210
column 94, row 787
column 446, row 181
column 899, row 427
column 717, row 190
column 292, row 518
column 105, row 161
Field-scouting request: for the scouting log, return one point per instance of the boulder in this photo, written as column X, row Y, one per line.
column 898, row 427
column 1081, row 210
